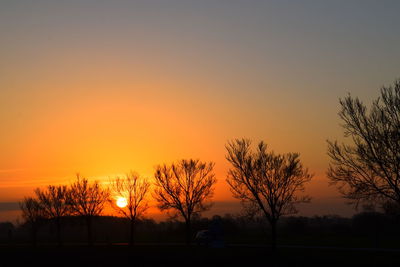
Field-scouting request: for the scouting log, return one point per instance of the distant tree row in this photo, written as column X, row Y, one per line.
column 370, row 226
column 184, row 188
column 264, row 181
column 55, row 202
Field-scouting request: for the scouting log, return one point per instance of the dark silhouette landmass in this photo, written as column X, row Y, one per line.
column 368, row 238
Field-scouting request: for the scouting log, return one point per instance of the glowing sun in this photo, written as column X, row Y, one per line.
column 122, row 202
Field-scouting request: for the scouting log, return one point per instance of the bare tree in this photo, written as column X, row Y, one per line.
column 54, row 204
column 87, row 200
column 33, row 214
column 132, row 189
column 185, row 188
column 367, row 166
column 266, row 182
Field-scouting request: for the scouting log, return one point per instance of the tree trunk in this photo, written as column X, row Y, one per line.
column 188, row 232
column 132, row 232
column 89, row 230
column 58, row 225
column 273, row 235
column 377, row 227
column 34, row 235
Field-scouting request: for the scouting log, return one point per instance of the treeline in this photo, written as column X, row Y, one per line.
column 267, row 183
column 366, row 229
column 183, row 189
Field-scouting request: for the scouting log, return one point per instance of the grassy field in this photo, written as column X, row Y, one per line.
column 180, row 255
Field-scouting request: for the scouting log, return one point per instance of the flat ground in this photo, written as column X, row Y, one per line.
column 180, row 255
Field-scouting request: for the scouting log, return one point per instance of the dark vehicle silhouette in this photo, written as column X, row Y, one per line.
column 203, row 238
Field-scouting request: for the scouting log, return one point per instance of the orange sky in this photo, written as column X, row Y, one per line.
column 103, row 88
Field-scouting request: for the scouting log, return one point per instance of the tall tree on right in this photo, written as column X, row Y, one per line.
column 366, row 167
column 266, row 182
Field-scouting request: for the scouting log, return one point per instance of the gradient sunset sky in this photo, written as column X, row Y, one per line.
column 105, row 87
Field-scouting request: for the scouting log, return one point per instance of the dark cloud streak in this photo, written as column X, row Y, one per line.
column 9, row 206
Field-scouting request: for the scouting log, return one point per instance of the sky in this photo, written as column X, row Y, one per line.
column 105, row 87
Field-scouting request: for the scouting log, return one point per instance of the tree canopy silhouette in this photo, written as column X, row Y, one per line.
column 134, row 189
column 367, row 167
column 185, row 187
column 87, row 200
column 33, row 214
column 54, row 203
column 266, row 182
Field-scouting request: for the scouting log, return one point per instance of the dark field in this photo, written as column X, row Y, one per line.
column 321, row 241
column 180, row 255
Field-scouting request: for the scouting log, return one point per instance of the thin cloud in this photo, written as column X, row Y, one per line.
column 10, row 170
column 9, row 206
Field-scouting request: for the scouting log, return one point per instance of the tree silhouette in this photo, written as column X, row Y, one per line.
column 185, row 187
column 367, row 167
column 134, row 189
column 54, row 203
column 87, row 200
column 266, row 182
column 33, row 214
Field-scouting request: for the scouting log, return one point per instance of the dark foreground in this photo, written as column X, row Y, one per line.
column 180, row 255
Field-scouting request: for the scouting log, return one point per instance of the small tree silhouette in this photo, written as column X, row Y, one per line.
column 87, row 200
column 133, row 189
column 33, row 214
column 266, row 182
column 54, row 203
column 184, row 188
